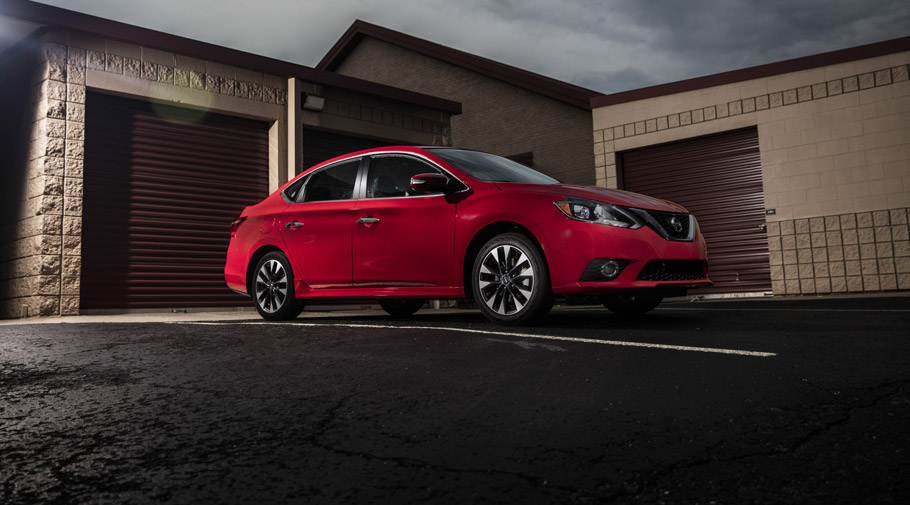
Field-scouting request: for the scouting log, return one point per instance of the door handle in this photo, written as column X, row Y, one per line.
column 293, row 224
column 763, row 227
column 368, row 221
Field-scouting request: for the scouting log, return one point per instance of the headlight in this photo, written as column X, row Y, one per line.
column 597, row 212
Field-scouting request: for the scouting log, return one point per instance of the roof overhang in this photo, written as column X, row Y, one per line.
column 546, row 86
column 47, row 15
column 757, row 72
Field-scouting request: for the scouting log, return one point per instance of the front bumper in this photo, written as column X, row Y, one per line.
column 571, row 247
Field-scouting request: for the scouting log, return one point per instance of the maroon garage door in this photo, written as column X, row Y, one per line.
column 719, row 180
column 162, row 185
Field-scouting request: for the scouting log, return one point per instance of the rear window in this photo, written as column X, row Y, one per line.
column 492, row 168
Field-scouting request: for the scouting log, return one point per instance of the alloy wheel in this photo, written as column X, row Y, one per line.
column 506, row 279
column 271, row 286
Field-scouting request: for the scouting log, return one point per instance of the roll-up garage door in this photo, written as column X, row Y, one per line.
column 162, row 185
column 719, row 180
column 319, row 145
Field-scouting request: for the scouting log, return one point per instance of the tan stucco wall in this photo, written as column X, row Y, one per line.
column 496, row 117
column 835, row 155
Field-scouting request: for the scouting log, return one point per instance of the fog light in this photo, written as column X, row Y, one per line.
column 610, row 269
column 603, row 270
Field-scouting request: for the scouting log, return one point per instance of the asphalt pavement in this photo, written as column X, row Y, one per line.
column 744, row 401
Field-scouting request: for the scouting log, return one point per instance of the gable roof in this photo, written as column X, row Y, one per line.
column 48, row 15
column 546, row 86
column 757, row 72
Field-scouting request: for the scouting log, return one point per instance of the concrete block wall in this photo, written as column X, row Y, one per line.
column 47, row 235
column 855, row 252
column 496, row 117
column 835, row 150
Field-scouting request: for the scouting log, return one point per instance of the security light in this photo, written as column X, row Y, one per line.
column 313, row 102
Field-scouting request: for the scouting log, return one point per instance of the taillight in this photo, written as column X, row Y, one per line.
column 236, row 224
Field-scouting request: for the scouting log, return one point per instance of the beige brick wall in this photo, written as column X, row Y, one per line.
column 835, row 154
column 496, row 117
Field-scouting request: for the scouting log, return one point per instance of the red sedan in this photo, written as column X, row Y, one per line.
column 400, row 225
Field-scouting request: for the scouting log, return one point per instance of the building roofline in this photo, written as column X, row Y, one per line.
column 757, row 72
column 546, row 86
column 63, row 18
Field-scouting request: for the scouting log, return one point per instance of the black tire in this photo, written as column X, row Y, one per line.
column 401, row 308
column 272, row 288
column 520, row 296
column 631, row 304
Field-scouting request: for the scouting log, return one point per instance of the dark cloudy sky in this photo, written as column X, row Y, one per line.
column 605, row 45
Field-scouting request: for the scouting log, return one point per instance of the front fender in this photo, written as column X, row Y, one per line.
column 534, row 212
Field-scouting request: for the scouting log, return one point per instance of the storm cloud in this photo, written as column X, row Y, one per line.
column 608, row 46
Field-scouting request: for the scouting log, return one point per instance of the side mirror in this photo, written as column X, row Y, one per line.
column 430, row 183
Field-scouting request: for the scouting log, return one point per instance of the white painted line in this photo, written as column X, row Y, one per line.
column 505, row 334
column 782, row 310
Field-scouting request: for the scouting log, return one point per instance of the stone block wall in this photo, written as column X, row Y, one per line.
column 856, row 252
column 835, row 156
column 43, row 237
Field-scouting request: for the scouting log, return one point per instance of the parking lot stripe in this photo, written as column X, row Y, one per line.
column 781, row 310
column 623, row 343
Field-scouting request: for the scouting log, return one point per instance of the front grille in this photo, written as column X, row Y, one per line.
column 676, row 226
column 672, row 270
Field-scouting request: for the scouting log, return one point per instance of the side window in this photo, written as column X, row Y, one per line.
column 390, row 176
column 333, row 183
column 292, row 191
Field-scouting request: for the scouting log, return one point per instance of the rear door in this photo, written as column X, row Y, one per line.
column 317, row 228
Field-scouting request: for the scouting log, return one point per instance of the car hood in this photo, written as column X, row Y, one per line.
column 614, row 196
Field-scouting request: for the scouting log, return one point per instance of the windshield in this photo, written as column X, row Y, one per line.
column 492, row 168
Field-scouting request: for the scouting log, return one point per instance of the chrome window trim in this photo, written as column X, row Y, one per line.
column 434, row 195
column 361, row 157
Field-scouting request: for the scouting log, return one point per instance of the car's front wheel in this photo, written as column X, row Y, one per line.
column 273, row 288
column 510, row 280
column 401, row 308
column 631, row 304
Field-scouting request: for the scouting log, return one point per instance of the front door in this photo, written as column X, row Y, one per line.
column 317, row 228
column 402, row 238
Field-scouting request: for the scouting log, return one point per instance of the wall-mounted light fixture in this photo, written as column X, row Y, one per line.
column 311, row 102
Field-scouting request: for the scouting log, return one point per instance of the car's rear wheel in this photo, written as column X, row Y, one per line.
column 510, row 280
column 273, row 288
column 631, row 304
column 401, row 308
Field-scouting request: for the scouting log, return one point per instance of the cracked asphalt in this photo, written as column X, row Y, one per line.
column 332, row 409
